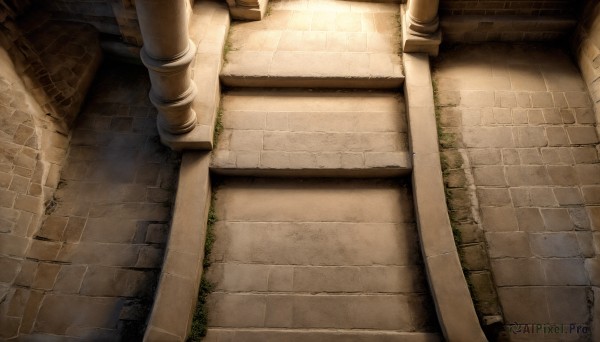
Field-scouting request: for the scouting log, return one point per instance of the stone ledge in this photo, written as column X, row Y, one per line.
column 307, row 172
column 209, row 24
column 312, row 82
column 453, row 302
column 177, row 291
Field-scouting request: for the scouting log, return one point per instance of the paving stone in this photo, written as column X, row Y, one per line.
column 588, row 174
column 582, row 135
column 568, row 196
column 485, row 156
column 585, row 154
column 488, row 137
column 510, row 156
column 45, row 277
column 561, row 310
column 524, row 304
column 562, row 175
column 580, row 218
column 565, row 271
column 11, row 268
column 508, row 244
column 60, row 314
column 577, row 99
column 541, row 100
column 69, row 278
column 559, row 244
column 489, row 175
column 529, row 219
column 518, row 272
column 531, row 137
column 115, row 282
column 535, row 117
column 557, row 136
column 526, row 175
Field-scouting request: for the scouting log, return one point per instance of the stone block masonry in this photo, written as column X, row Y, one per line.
column 523, row 171
column 587, row 48
column 508, row 20
column 91, row 269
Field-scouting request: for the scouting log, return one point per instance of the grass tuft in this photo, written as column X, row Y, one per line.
column 218, row 126
column 200, row 319
column 200, row 322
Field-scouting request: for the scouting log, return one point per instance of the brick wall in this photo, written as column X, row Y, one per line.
column 508, row 20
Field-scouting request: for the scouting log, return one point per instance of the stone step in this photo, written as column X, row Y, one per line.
column 312, row 133
column 322, row 311
column 316, row 335
column 243, row 277
column 277, row 200
column 317, row 44
column 316, row 253
column 304, row 69
column 316, row 244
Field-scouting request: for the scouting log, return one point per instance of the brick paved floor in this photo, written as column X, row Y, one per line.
column 517, row 130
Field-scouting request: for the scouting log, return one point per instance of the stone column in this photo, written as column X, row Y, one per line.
column 167, row 53
column 420, row 27
column 422, row 16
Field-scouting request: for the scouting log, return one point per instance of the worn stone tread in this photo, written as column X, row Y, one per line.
column 317, row 44
column 363, row 311
column 313, row 133
column 316, row 335
column 316, row 254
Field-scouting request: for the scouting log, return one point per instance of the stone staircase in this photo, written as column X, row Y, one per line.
column 313, row 257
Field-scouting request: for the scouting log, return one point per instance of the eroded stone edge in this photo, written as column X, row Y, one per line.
column 177, row 291
column 454, row 306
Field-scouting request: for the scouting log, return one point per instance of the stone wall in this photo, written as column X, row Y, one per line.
column 32, row 152
column 528, row 177
column 587, row 51
column 56, row 60
column 507, row 20
column 116, row 20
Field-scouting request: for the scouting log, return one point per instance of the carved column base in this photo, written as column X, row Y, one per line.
column 418, row 37
column 247, row 9
column 172, row 91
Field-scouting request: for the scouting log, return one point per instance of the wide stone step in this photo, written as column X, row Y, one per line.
column 243, row 277
column 321, row 244
column 337, row 201
column 317, row 44
column 315, row 335
column 302, row 69
column 364, row 311
column 314, row 133
column 316, row 253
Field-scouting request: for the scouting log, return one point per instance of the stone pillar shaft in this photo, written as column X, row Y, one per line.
column 423, row 16
column 168, row 53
